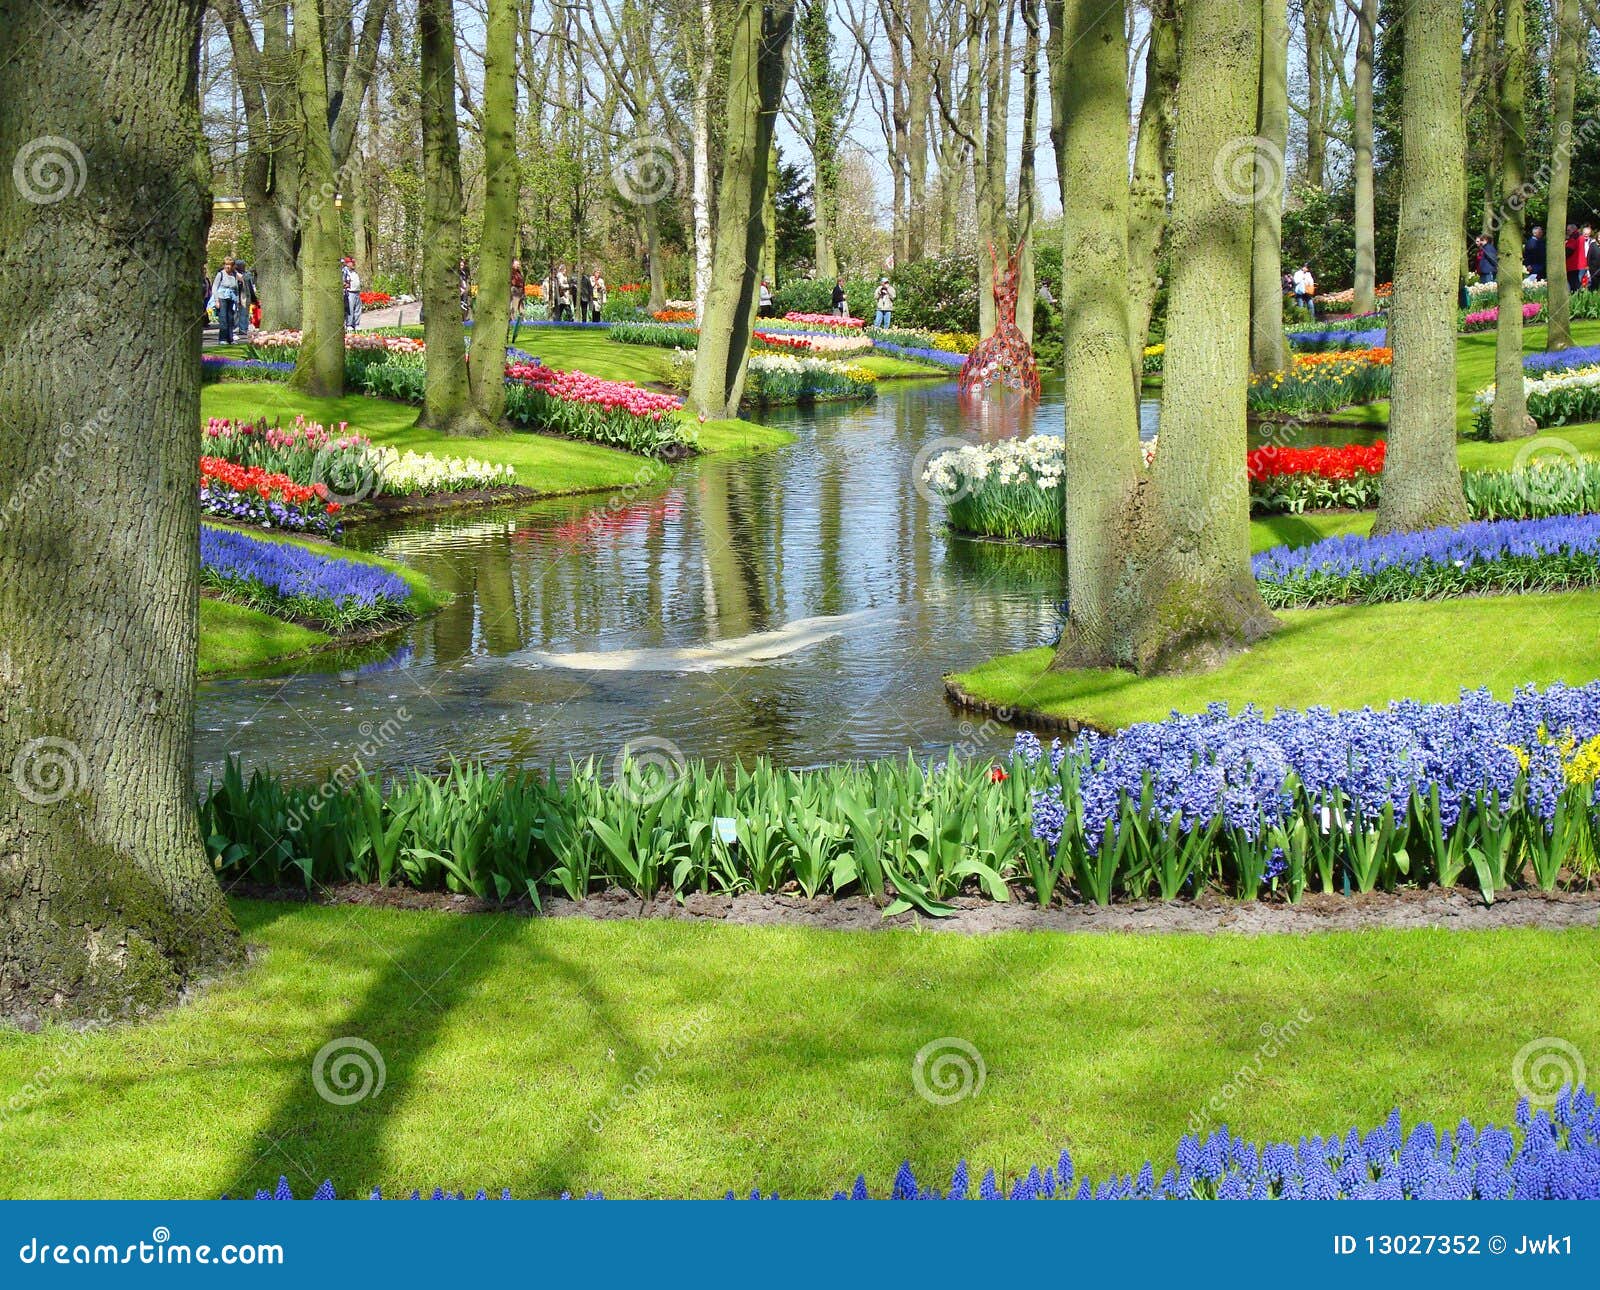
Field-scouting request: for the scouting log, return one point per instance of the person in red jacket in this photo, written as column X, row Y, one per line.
column 1577, row 258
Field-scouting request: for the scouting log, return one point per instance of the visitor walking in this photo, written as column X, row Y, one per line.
column 585, row 296
column 764, row 301
column 1575, row 258
column 352, row 294
column 552, row 302
column 464, row 279
column 1305, row 289
column 225, row 299
column 1488, row 259
column 601, row 295
column 561, row 309
column 838, row 299
column 1592, row 255
column 247, row 300
column 1533, row 254
column 883, row 298
column 519, row 293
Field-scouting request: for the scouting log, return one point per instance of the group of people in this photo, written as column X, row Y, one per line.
column 231, row 296
column 568, row 297
column 1302, row 285
column 1580, row 257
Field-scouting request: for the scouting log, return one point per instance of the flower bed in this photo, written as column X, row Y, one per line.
column 673, row 315
column 1343, row 338
column 376, row 299
column 827, row 322
column 666, row 335
column 289, row 581
column 1557, row 1158
column 222, row 367
column 265, row 498
column 1484, row 556
column 618, row 413
column 1334, row 301
column 1561, row 398
column 935, row 357
column 1563, row 360
column 311, row 454
column 1302, row 479
column 1487, row 319
column 1155, row 357
column 1322, row 382
column 791, row 378
column 813, row 342
column 1492, row 792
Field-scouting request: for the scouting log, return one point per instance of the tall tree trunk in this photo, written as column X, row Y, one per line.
column 700, row 195
column 107, row 900
column 755, row 90
column 1269, row 351
column 1510, row 402
column 1103, row 467
column 1027, row 183
column 486, row 372
column 919, row 105
column 1421, row 474
column 319, row 368
column 1566, row 39
column 1366, row 281
column 769, row 220
column 1147, row 211
column 1315, row 13
column 1203, row 602
column 447, row 398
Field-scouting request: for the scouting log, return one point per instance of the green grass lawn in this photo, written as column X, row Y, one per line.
column 1344, row 656
column 236, row 638
column 665, row 1059
column 1474, row 370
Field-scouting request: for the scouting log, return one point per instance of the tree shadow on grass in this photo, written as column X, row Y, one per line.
column 337, row 1098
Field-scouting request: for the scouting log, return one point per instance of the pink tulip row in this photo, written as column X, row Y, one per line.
column 356, row 340
column 579, row 387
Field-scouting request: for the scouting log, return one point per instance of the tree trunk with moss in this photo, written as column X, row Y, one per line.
column 1510, row 402
column 760, row 37
column 1027, row 178
column 447, row 396
column 1147, row 209
column 1421, row 474
column 1269, row 350
column 108, row 904
column 319, row 366
column 1102, row 462
column 1566, row 37
column 486, row 372
column 1316, row 31
column 1366, row 281
column 1204, row 603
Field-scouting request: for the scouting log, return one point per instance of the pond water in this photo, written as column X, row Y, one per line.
column 802, row 603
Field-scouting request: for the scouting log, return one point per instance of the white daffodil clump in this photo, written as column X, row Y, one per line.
column 412, row 472
column 1037, row 459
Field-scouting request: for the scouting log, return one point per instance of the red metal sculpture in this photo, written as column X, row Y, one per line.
column 1004, row 357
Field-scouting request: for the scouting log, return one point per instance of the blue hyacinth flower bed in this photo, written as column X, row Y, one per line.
column 1312, row 341
column 291, row 581
column 1554, row 1155
column 937, row 357
column 1486, row 556
column 1481, row 790
column 1565, row 360
column 219, row 367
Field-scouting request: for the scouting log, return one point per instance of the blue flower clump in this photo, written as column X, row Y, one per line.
column 1564, row 360
column 1557, row 551
column 1372, row 338
column 1555, row 1157
column 301, row 581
